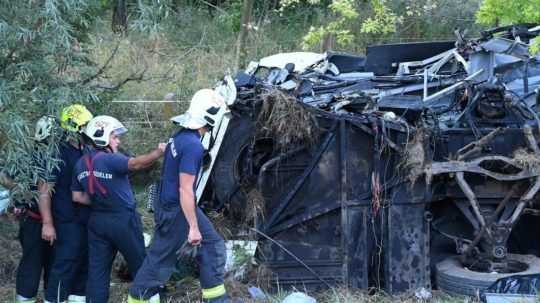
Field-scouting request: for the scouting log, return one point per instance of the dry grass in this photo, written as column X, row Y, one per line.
column 187, row 290
column 285, row 120
column 414, row 158
column 223, row 225
column 10, row 249
column 255, row 207
column 527, row 160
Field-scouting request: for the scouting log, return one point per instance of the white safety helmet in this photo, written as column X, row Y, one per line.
column 44, row 127
column 99, row 129
column 203, row 110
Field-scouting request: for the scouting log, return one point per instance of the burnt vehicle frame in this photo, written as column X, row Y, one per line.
column 423, row 166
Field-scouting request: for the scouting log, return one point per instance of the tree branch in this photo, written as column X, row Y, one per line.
column 214, row 6
column 104, row 67
column 138, row 76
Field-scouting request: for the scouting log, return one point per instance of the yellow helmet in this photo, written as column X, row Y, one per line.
column 74, row 117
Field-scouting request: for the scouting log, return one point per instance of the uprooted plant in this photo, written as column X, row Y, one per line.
column 287, row 121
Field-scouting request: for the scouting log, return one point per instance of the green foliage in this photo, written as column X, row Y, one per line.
column 291, row 4
column 350, row 23
column 503, row 12
column 500, row 12
column 54, row 53
column 231, row 18
column 151, row 15
column 382, row 22
column 44, row 65
column 344, row 13
column 535, row 46
column 433, row 19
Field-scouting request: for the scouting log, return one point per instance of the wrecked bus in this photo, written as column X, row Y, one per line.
column 414, row 166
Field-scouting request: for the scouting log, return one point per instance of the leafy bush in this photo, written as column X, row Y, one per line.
column 44, row 65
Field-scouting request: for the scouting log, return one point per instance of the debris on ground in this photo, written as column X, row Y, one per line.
column 299, row 297
column 256, row 293
column 423, row 294
column 240, row 256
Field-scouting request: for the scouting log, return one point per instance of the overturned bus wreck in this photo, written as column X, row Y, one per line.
column 415, row 166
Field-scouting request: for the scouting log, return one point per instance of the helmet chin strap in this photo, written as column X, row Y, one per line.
column 106, row 149
column 210, row 130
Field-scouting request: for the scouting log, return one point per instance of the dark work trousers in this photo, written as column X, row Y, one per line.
column 108, row 233
column 36, row 258
column 170, row 233
column 69, row 269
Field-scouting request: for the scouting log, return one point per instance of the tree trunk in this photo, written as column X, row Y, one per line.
column 241, row 52
column 119, row 18
column 327, row 43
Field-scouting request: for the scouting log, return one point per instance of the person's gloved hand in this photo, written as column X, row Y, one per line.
column 186, row 261
column 187, row 252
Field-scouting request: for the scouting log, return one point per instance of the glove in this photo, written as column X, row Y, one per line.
column 187, row 253
column 186, row 261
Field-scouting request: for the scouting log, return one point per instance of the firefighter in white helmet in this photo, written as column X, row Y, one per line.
column 178, row 219
column 36, row 230
column 101, row 180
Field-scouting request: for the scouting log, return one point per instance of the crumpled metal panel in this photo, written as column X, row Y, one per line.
column 407, row 265
column 518, row 288
column 506, row 46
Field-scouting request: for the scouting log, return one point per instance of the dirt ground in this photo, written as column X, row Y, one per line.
column 187, row 289
column 10, row 253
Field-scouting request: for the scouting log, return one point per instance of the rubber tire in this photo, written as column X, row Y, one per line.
column 224, row 179
column 452, row 278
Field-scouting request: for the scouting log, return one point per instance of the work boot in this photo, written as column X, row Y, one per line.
column 21, row 299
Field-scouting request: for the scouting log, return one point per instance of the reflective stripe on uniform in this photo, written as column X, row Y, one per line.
column 76, row 299
column 214, row 292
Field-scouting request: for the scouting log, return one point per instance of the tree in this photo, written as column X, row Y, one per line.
column 372, row 17
column 343, row 12
column 502, row 12
column 44, row 66
column 244, row 29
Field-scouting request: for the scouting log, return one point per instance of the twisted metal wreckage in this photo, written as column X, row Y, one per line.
column 416, row 163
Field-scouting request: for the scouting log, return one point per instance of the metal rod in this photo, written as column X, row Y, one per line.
column 452, row 88
column 524, row 200
column 499, row 208
column 300, row 181
column 527, row 130
column 470, row 195
column 425, row 84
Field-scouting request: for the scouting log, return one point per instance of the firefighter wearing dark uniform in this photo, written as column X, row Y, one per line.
column 178, row 219
column 36, row 231
column 101, row 179
column 67, row 279
column 36, row 253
